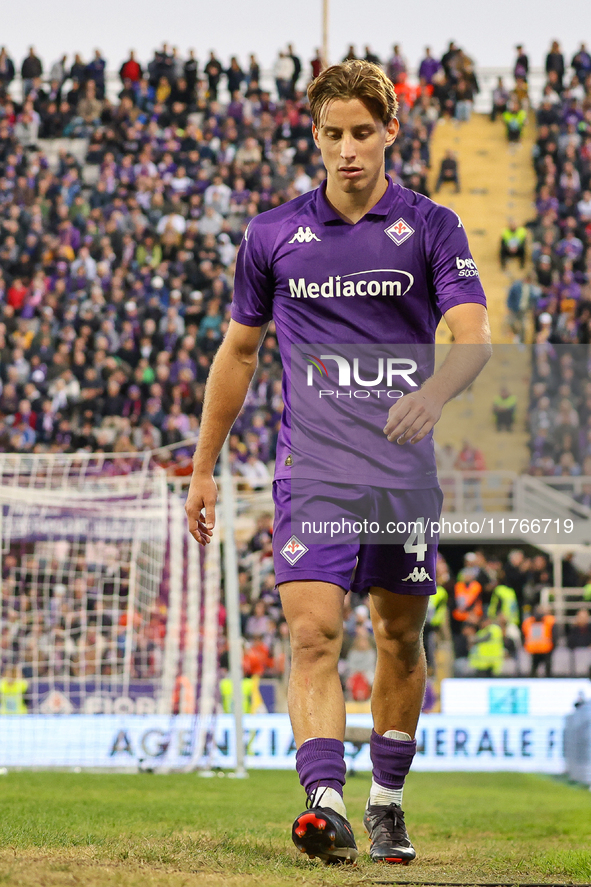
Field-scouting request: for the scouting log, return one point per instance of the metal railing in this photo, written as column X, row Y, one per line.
column 569, row 486
column 467, row 492
column 491, row 506
column 565, row 603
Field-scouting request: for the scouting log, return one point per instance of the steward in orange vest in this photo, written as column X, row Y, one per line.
column 468, row 601
column 538, row 639
column 465, row 609
column 537, row 634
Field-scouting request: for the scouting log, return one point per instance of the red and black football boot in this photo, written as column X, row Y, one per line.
column 323, row 833
column 387, row 834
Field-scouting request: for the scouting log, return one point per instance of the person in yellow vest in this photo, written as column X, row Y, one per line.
column 487, row 649
column 513, row 243
column 436, row 624
column 504, row 601
column 252, row 700
column 515, row 119
column 227, row 694
column 12, row 692
column 504, row 406
column 538, row 639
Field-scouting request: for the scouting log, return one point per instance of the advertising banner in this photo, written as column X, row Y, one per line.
column 445, row 742
column 512, row 696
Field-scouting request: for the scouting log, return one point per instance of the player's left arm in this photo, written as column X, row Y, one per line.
column 414, row 415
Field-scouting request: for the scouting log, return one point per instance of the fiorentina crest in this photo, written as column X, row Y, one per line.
column 293, row 550
column 399, row 231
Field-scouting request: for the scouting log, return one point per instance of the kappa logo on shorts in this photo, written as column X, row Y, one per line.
column 418, row 575
column 304, row 235
column 293, row 550
column 399, row 231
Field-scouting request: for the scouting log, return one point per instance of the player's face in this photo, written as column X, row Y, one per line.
column 352, row 143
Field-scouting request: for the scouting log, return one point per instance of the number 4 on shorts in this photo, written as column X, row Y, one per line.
column 415, row 544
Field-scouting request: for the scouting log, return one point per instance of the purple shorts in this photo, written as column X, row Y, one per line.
column 401, row 568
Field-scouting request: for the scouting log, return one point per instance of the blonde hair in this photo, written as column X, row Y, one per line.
column 354, row 79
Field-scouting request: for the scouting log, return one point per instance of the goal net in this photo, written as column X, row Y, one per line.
column 109, row 609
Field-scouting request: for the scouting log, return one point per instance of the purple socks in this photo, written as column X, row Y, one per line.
column 391, row 759
column 322, row 762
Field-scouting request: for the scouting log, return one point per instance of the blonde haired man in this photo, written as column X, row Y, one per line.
column 360, row 226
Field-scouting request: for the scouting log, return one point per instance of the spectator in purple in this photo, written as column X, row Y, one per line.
column 581, row 63
column 570, row 246
column 428, row 67
column 396, row 67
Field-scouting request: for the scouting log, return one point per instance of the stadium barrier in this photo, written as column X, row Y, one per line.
column 475, row 503
column 565, row 603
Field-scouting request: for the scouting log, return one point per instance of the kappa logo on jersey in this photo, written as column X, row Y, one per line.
column 399, row 231
column 418, row 575
column 304, row 235
column 293, row 550
column 466, row 267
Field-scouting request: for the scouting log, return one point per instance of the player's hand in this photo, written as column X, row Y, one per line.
column 203, row 494
column 412, row 417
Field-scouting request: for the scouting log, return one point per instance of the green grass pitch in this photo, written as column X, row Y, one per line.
column 178, row 830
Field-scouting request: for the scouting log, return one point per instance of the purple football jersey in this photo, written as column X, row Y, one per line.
column 385, row 280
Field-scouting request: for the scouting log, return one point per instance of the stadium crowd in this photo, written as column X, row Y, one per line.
column 560, row 416
column 485, row 616
column 486, row 613
column 552, row 302
column 116, row 279
column 561, row 229
column 116, row 272
column 64, row 613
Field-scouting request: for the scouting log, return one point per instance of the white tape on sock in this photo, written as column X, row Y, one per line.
column 328, row 797
column 379, row 794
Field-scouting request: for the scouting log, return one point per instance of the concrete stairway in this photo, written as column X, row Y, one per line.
column 497, row 182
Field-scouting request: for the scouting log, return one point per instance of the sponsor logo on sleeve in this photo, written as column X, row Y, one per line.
column 399, row 231
column 293, row 550
column 466, row 267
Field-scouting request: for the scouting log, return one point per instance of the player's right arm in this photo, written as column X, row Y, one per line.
column 230, row 375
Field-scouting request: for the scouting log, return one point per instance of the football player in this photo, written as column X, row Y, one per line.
column 360, row 225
